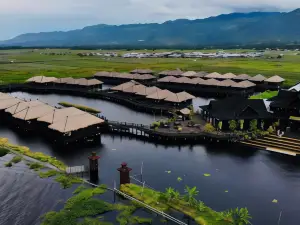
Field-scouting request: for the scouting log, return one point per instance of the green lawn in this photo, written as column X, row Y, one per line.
column 27, row 64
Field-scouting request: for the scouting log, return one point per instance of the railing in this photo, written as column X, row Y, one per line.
column 167, row 216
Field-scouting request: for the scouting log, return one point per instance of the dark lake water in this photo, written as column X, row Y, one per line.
column 253, row 178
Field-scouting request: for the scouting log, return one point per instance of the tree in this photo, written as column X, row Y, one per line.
column 241, row 122
column 190, row 194
column 232, row 125
column 240, row 216
column 220, row 124
column 209, row 128
column 253, row 125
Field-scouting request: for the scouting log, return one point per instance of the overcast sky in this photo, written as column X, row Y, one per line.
column 24, row 16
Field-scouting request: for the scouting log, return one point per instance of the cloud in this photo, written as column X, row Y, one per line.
column 22, row 16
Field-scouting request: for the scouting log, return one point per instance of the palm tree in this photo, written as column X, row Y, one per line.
column 201, row 206
column 176, row 195
column 190, row 194
column 169, row 193
column 240, row 216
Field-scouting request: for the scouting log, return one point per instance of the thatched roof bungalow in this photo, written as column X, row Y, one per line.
column 124, row 86
column 200, row 74
column 175, row 73
column 147, row 91
column 41, row 79
column 166, row 79
column 135, row 88
column 59, row 114
column 257, row 78
column 188, row 74
column 228, row 76
column 244, row 84
column 214, row 75
column 275, row 79
column 33, row 112
column 142, row 71
column 160, row 95
column 242, row 77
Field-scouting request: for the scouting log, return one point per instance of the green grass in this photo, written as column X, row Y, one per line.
column 67, row 181
column 3, row 152
column 265, row 95
column 16, row 159
column 27, row 64
column 81, row 107
column 153, row 198
column 35, row 155
column 49, row 173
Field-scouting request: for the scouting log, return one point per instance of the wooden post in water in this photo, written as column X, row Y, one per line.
column 124, row 173
column 94, row 174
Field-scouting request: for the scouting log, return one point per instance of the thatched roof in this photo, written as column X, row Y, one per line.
column 34, row 112
column 275, row 79
column 86, row 82
column 244, row 84
column 160, row 95
column 214, row 75
column 179, row 97
column 124, row 86
column 167, row 79
column 177, row 72
column 60, row 114
column 134, row 88
column 147, row 91
column 228, row 76
column 226, row 83
column 242, row 77
column 75, row 122
column 185, row 111
column 103, row 74
column 22, row 105
column 5, row 96
column 42, row 79
column 181, row 80
column 67, row 80
column 188, row 74
column 144, row 77
column 142, row 71
column 211, row 82
column 200, row 74
column 197, row 80
column 6, row 103
column 258, row 77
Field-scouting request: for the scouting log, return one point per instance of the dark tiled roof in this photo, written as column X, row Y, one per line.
column 238, row 108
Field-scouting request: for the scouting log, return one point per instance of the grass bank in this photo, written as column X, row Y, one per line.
column 201, row 213
column 81, row 107
column 265, row 95
column 4, row 144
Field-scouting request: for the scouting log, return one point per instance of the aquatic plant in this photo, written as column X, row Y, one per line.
column 67, row 181
column 201, row 206
column 49, row 173
column 35, row 166
column 207, row 175
column 93, row 221
column 16, row 159
column 240, row 216
column 191, row 193
column 81, row 107
column 8, row 164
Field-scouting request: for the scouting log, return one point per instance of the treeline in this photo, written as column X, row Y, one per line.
column 155, row 47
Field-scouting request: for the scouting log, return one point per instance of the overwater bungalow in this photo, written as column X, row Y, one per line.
column 189, row 74
column 182, row 98
column 228, row 76
column 119, row 78
column 147, row 91
column 242, row 77
column 142, row 71
column 200, row 74
column 213, row 75
column 124, row 86
column 274, row 82
column 175, row 73
column 238, row 109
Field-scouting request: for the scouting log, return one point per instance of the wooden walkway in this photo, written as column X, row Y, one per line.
column 273, row 143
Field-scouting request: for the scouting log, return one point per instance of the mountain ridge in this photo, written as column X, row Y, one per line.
column 233, row 28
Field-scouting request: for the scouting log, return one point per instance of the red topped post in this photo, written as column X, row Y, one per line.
column 124, row 173
column 94, row 176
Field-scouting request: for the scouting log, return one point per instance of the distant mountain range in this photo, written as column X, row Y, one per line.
column 234, row 28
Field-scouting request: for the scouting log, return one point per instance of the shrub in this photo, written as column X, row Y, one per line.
column 179, row 128
column 3, row 151
column 271, row 130
column 16, row 159
column 276, row 124
column 232, row 125
column 241, row 122
column 220, row 124
column 156, row 124
column 253, row 125
column 8, row 164
column 246, row 136
column 209, row 128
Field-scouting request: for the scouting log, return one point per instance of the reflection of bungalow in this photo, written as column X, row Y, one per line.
column 239, row 109
column 274, row 82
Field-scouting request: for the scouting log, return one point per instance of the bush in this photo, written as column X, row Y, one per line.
column 271, row 130
column 3, row 152
column 156, row 124
column 209, row 128
column 241, row 122
column 8, row 164
column 179, row 128
column 16, row 159
column 276, row 124
column 232, row 125
column 253, row 125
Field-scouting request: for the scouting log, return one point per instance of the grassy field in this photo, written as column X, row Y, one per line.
column 28, row 63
